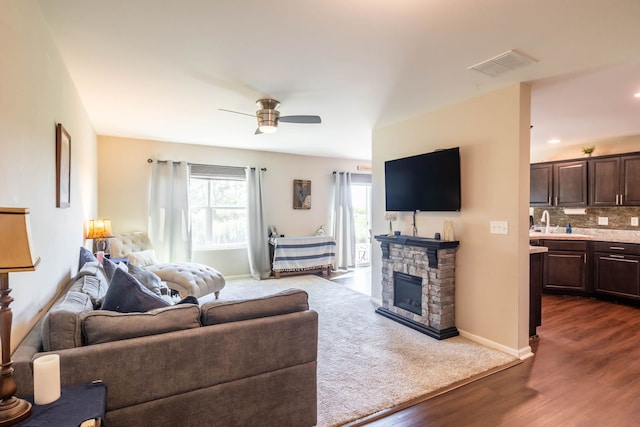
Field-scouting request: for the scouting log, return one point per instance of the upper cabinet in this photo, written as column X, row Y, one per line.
column 614, row 181
column 559, row 184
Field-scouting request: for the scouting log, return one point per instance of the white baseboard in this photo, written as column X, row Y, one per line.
column 522, row 354
column 376, row 301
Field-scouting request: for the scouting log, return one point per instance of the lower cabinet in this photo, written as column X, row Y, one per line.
column 536, row 263
column 566, row 267
column 617, row 269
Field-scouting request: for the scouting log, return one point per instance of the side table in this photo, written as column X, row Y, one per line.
column 76, row 405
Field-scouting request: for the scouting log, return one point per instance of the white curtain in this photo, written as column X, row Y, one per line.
column 343, row 223
column 257, row 234
column 169, row 225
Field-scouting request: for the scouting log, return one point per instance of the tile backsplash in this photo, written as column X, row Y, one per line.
column 619, row 217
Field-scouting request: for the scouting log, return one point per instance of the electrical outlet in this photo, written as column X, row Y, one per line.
column 499, row 227
column 603, row 220
column 634, row 221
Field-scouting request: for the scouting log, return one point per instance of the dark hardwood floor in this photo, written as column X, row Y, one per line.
column 585, row 372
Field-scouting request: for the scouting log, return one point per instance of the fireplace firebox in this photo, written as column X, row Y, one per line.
column 407, row 292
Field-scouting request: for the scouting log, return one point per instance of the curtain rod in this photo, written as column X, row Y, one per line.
column 150, row 160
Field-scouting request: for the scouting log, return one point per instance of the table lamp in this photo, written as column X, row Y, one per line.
column 15, row 256
column 100, row 229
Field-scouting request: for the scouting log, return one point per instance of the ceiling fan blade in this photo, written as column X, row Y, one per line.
column 237, row 112
column 300, row 119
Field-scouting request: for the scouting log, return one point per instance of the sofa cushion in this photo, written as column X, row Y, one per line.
column 62, row 325
column 105, row 326
column 288, row 301
column 127, row 295
column 143, row 258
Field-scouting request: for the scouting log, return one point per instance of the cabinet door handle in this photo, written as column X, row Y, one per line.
column 549, row 201
column 616, row 256
column 616, row 248
column 617, row 198
column 556, row 200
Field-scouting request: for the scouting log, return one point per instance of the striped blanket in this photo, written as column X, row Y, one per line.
column 303, row 253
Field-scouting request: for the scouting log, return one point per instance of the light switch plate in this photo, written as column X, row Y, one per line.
column 499, row 227
column 603, row 220
column 634, row 221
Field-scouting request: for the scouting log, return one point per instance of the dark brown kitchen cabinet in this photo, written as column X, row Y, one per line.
column 614, row 181
column 566, row 267
column 617, row 269
column 536, row 263
column 558, row 184
column 541, row 184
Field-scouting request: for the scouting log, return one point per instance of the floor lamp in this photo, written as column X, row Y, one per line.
column 15, row 256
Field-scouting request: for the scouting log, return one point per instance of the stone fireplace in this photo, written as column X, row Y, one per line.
column 418, row 283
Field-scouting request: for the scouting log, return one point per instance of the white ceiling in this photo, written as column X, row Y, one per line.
column 162, row 69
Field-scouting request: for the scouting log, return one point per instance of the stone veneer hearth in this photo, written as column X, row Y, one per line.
column 434, row 262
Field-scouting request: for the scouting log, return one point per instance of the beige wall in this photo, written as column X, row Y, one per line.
column 492, row 281
column 36, row 93
column 124, row 177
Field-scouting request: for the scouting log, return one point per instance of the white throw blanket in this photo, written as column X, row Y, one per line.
column 303, row 253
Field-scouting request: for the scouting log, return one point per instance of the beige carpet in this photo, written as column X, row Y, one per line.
column 366, row 362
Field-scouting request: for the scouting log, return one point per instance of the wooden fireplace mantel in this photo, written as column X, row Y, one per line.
column 432, row 245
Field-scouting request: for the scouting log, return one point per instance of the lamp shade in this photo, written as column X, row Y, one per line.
column 15, row 241
column 99, row 229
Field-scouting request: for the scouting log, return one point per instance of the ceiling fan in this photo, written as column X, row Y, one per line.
column 268, row 116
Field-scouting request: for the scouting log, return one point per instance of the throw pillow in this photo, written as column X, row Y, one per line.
column 127, row 295
column 143, row 258
column 85, row 256
column 150, row 280
column 109, row 267
column 94, row 269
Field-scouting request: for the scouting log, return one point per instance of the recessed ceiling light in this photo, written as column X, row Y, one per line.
column 636, row 95
column 554, row 141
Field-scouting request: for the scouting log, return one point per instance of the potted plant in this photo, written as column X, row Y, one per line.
column 588, row 150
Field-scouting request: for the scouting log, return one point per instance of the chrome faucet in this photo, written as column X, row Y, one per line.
column 547, row 221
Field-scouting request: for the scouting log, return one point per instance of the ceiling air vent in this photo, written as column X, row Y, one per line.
column 509, row 60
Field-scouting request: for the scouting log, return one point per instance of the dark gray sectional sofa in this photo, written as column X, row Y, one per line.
column 245, row 362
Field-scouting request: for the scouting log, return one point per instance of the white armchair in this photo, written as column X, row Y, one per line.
column 187, row 278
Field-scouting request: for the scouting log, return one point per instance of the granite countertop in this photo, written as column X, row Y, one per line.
column 604, row 235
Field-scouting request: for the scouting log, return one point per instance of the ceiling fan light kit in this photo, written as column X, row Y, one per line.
column 268, row 116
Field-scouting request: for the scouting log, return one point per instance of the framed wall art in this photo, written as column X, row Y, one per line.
column 63, row 167
column 301, row 194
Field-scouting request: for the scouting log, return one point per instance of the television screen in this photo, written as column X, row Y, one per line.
column 426, row 182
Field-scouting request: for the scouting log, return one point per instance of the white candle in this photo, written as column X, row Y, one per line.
column 46, row 379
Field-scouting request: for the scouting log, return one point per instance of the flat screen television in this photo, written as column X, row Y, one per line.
column 426, row 182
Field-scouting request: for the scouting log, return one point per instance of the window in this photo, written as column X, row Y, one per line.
column 218, row 206
column 361, row 203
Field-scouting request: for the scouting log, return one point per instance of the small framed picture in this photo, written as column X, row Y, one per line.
column 63, row 167
column 301, row 194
